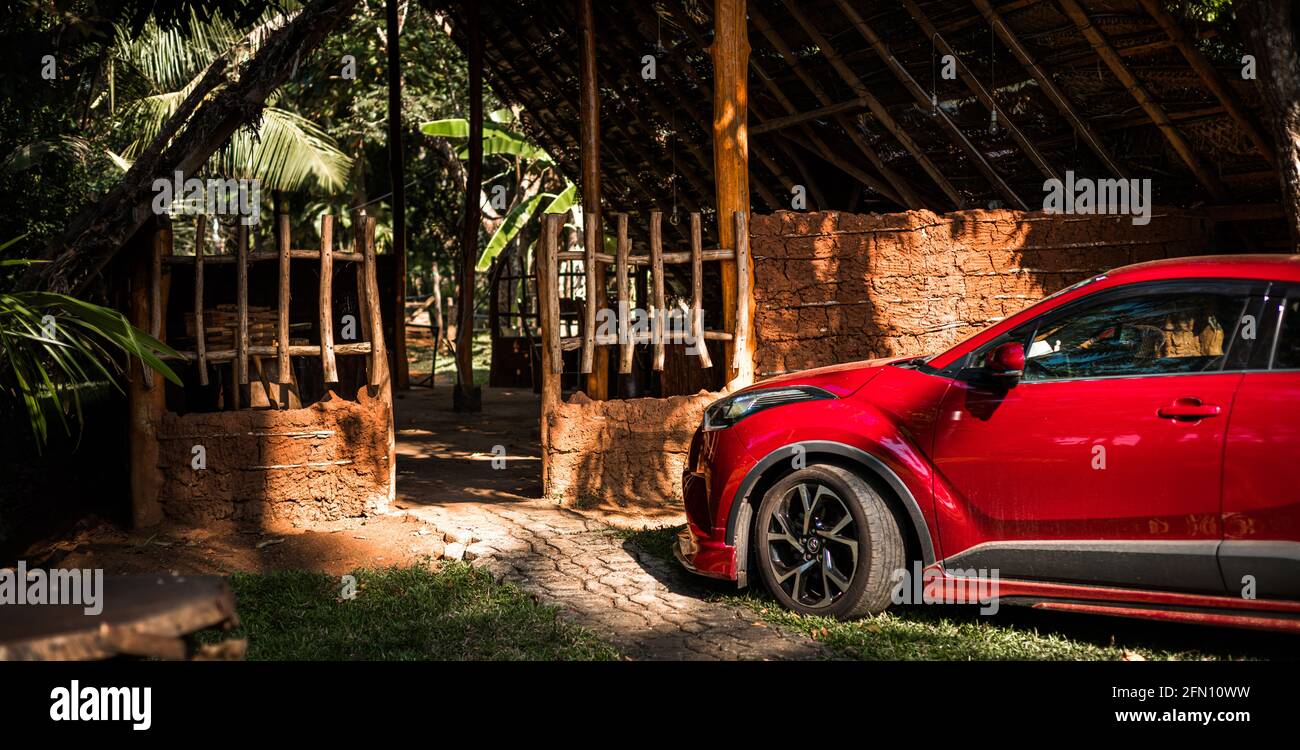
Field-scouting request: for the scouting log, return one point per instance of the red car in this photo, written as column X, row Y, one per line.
column 1127, row 446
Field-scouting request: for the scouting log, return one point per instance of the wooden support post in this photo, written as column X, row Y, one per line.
column 200, row 332
column 241, row 310
column 591, row 233
column 162, row 238
column 397, row 172
column 660, row 318
column 744, row 294
column 1143, row 97
column 731, row 170
column 374, row 307
column 548, row 310
column 1049, row 87
column 595, row 361
column 329, row 365
column 146, row 403
column 282, row 330
column 625, row 348
column 697, row 292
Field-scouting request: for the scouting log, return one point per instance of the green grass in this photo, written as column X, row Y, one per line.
column 420, row 356
column 952, row 632
column 452, row 613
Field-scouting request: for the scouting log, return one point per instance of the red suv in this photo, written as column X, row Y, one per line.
column 1128, row 446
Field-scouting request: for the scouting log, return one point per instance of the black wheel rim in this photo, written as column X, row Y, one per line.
column 812, row 543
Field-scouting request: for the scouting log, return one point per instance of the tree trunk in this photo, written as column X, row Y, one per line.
column 466, row 396
column 1272, row 31
column 100, row 230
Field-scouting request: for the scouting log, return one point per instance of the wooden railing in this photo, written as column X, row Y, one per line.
column 549, row 257
column 282, row 349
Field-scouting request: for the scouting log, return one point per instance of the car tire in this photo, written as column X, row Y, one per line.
column 802, row 533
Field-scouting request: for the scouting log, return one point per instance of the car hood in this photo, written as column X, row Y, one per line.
column 842, row 380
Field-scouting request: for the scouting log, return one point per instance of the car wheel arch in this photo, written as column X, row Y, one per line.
column 776, row 465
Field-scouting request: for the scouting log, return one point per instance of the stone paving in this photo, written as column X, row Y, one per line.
column 647, row 607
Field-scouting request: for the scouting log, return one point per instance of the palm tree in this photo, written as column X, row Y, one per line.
column 161, row 67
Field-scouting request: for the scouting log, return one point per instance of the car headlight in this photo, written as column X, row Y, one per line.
column 730, row 410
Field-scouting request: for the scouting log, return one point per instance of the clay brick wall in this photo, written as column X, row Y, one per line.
column 622, row 455
column 835, row 287
column 268, row 468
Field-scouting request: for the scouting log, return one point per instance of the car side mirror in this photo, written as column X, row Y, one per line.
column 1007, row 362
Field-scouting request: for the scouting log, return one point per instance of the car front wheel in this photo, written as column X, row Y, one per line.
column 827, row 543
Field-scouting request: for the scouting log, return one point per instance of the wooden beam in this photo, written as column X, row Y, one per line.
column 284, row 365
column 744, row 295
column 777, row 123
column 1049, row 87
column 146, row 404
column 379, row 375
column 1143, row 97
column 895, row 186
column 200, row 332
column 697, row 288
column 922, row 98
column 625, row 348
column 983, row 94
column 241, row 310
column 1213, row 80
column 597, row 361
column 329, row 366
column 548, row 308
column 397, row 173
column 464, row 397
column 659, row 318
column 730, row 52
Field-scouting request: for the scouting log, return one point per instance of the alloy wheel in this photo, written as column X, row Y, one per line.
column 812, row 542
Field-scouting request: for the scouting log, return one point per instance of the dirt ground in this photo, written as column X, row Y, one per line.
column 444, row 459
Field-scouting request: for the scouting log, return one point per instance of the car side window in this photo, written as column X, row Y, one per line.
column 1287, row 354
column 1144, row 330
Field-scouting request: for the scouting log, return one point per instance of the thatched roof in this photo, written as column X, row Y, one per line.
column 807, row 54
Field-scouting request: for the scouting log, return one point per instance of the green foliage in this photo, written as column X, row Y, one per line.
column 55, row 348
column 452, row 613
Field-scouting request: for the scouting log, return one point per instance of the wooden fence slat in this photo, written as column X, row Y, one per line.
column 551, row 298
column 741, row 334
column 200, row 333
column 282, row 333
column 659, row 319
column 697, row 290
column 241, row 306
column 329, row 365
column 625, row 347
column 592, row 241
column 378, row 353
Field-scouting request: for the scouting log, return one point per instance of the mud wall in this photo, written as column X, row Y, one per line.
column 269, row 468
column 836, row 287
column 624, row 456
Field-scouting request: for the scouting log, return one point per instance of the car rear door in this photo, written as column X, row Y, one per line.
column 1103, row 464
column 1260, row 554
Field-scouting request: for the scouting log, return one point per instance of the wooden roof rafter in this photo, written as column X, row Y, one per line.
column 1143, row 97
column 973, row 152
column 1058, row 98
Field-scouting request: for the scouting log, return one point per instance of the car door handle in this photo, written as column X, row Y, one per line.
column 1188, row 409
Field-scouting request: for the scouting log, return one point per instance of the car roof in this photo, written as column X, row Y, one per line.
column 1275, row 267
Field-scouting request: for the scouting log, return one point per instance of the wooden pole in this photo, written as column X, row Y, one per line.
column 397, row 170
column 329, row 366
column 146, row 403
column 374, row 308
column 697, row 291
column 464, row 396
column 1143, row 97
column 659, row 319
column 548, row 311
column 200, row 334
column 241, row 310
column 744, row 293
column 283, row 363
column 731, row 168
column 596, row 362
column 625, row 348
